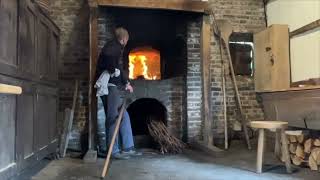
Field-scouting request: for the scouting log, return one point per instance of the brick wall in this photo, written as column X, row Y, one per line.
column 72, row 16
column 245, row 15
column 194, row 85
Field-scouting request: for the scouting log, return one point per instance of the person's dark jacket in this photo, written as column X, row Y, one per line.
column 109, row 59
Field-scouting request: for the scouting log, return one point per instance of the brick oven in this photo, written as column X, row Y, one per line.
column 164, row 68
column 81, row 24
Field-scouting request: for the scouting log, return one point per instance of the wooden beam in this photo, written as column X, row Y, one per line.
column 206, row 81
column 305, row 28
column 181, row 5
column 8, row 89
column 93, row 31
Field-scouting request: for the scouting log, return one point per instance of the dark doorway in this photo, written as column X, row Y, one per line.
column 141, row 112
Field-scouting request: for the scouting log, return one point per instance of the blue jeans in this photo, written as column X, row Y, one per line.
column 112, row 104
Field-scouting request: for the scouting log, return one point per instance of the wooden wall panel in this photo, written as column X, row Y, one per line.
column 27, row 43
column 52, row 104
column 25, row 123
column 7, row 133
column 46, row 114
column 42, row 122
column 8, row 32
column 28, row 58
column 294, row 106
column 42, row 50
column 54, row 49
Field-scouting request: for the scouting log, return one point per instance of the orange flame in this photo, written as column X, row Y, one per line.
column 144, row 63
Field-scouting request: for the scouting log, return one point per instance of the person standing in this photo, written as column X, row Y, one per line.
column 111, row 60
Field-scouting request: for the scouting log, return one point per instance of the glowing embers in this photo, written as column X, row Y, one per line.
column 144, row 63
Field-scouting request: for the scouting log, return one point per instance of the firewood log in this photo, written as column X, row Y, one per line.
column 307, row 146
column 312, row 163
column 300, row 138
column 300, row 151
column 316, row 142
column 292, row 148
column 296, row 160
column 315, row 153
column 292, row 139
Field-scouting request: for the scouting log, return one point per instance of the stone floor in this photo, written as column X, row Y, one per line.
column 237, row 163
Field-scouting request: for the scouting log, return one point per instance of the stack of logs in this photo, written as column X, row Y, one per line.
column 168, row 143
column 304, row 151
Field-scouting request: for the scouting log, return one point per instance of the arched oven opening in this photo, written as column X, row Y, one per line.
column 141, row 112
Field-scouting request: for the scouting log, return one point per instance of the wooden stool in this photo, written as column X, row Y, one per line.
column 280, row 127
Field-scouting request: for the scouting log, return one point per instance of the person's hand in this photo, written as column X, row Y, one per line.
column 129, row 88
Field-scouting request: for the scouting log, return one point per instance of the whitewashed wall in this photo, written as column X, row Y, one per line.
column 305, row 49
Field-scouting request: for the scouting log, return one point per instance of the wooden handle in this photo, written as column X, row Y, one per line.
column 9, row 89
column 115, row 133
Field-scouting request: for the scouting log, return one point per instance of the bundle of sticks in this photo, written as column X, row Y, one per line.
column 168, row 143
column 304, row 151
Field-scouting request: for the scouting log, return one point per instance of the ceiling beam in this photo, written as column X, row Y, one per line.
column 306, row 28
column 180, row 5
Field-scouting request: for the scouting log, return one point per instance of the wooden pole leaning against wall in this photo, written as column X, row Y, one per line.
column 226, row 30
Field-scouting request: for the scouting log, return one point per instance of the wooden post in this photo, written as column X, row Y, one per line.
column 277, row 146
column 93, row 31
column 261, row 142
column 285, row 150
column 178, row 5
column 206, row 81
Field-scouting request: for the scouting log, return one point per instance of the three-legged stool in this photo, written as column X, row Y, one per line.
column 280, row 127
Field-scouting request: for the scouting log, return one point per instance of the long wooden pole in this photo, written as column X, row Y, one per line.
column 115, row 133
column 226, row 30
column 226, row 141
column 243, row 119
